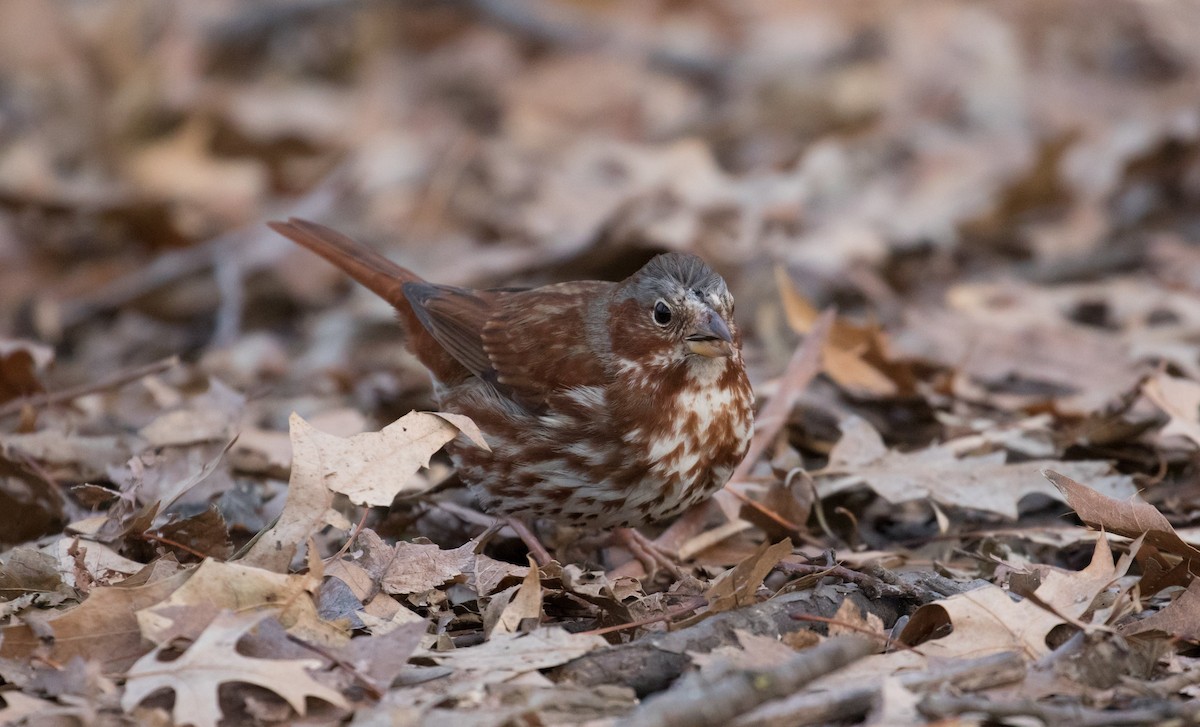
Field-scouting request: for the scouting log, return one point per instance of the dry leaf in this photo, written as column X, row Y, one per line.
column 506, row 655
column 1180, row 399
column 850, row 620
column 1179, row 620
column 984, row 621
column 739, row 585
column 213, row 660
column 210, row 417
column 856, row 357
column 21, row 365
column 984, row 482
column 421, row 567
column 373, row 467
column 1071, row 594
column 1129, row 518
column 238, row 587
column 103, row 627
column 307, row 501
column 526, row 603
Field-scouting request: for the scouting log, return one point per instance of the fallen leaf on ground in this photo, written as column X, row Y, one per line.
column 307, row 501
column 1179, row 620
column 739, row 585
column 524, row 603
column 1123, row 517
column 373, row 467
column 857, row 357
column 984, row 621
column 1180, row 399
column 213, row 660
column 21, row 365
column 103, row 627
column 237, row 587
column 1071, row 593
column 507, row 655
column 986, row 482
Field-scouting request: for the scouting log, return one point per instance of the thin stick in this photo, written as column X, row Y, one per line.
column 803, row 367
column 666, row 616
column 354, row 534
column 174, row 544
column 120, row 378
column 887, row 641
column 368, row 684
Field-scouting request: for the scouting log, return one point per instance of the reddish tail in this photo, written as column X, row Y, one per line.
column 382, row 276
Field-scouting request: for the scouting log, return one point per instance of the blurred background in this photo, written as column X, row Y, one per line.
column 1002, row 199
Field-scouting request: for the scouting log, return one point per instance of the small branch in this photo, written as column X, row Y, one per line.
column 940, row 706
column 850, row 703
column 651, row 663
column 174, row 544
column 111, row 382
column 704, row 702
column 367, row 683
column 872, row 586
column 688, row 607
column 803, row 367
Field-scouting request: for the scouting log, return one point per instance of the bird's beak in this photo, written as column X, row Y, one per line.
column 711, row 337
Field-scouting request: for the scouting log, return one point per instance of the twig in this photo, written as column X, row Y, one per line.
column 1166, row 687
column 354, row 534
column 147, row 535
column 945, row 705
column 871, row 585
column 801, row 370
column 238, row 251
column 688, row 607
column 849, row 703
column 888, row 642
column 708, row 703
column 653, row 662
column 368, row 684
column 118, row 379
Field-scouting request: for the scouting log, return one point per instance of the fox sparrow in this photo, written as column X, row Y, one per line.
column 605, row 404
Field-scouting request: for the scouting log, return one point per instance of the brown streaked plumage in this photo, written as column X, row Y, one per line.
column 605, row 404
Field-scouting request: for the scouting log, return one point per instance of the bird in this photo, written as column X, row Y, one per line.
column 606, row 405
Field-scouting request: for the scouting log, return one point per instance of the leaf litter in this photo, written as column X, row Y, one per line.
column 221, row 494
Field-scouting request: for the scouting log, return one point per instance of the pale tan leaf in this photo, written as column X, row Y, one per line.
column 850, row 620
column 509, row 654
column 373, row 467
column 986, row 482
column 238, row 587
column 984, row 621
column 526, row 603
column 1071, row 593
column 307, row 500
column 213, row 660
column 1180, row 399
column 739, row 585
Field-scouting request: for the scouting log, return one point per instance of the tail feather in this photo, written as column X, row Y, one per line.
column 380, row 275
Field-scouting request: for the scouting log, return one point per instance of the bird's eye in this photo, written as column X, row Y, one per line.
column 662, row 314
